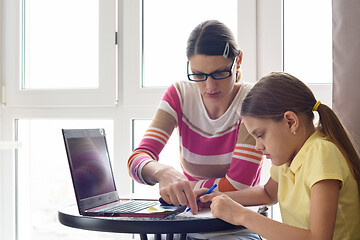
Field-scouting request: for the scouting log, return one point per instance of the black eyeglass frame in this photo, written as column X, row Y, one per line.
column 210, row 74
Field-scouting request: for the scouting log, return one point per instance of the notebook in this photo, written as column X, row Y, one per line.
column 94, row 183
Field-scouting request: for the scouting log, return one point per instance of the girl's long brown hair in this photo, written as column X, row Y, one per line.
column 279, row 92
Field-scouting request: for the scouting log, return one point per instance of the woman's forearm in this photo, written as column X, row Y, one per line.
column 154, row 172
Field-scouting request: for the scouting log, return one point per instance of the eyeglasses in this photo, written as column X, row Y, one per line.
column 218, row 75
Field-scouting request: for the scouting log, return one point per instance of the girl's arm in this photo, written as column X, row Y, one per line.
column 323, row 206
column 253, row 196
column 258, row 195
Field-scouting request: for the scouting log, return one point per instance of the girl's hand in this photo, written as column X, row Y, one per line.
column 204, row 203
column 205, row 200
column 207, row 197
column 225, row 208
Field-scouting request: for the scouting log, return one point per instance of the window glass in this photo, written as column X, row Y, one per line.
column 170, row 155
column 60, row 44
column 166, row 28
column 308, row 40
column 43, row 178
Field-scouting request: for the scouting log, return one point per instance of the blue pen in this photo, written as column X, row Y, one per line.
column 207, row 192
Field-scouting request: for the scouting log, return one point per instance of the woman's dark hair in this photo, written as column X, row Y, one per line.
column 278, row 92
column 210, row 38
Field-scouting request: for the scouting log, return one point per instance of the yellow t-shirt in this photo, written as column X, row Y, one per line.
column 317, row 160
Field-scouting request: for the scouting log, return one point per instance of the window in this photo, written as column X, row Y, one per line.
column 308, row 40
column 308, row 45
column 42, row 107
column 76, row 65
column 55, row 75
column 64, row 55
column 165, row 34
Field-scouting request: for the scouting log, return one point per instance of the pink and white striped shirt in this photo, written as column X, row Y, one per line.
column 211, row 151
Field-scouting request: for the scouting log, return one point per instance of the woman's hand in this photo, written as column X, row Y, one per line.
column 176, row 189
column 225, row 208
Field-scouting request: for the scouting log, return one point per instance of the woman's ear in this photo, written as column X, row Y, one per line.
column 292, row 121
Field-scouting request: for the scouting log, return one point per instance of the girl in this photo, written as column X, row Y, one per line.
column 315, row 175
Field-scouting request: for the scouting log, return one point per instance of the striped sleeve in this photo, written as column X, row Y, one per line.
column 156, row 136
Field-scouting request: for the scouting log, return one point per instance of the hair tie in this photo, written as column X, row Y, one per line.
column 315, row 108
column 226, row 50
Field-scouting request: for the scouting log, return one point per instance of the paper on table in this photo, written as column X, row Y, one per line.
column 158, row 209
column 204, row 213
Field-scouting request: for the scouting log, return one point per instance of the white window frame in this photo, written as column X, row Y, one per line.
column 105, row 95
column 130, row 106
column 260, row 22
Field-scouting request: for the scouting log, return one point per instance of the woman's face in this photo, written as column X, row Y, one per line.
column 211, row 90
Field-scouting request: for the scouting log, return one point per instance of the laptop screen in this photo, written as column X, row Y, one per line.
column 90, row 167
column 91, row 170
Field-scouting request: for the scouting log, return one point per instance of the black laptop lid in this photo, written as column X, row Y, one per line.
column 90, row 167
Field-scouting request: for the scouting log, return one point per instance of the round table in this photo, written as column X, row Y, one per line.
column 69, row 216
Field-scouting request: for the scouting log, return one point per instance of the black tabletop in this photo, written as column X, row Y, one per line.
column 69, row 216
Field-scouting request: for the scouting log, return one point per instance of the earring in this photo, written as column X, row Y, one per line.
column 294, row 133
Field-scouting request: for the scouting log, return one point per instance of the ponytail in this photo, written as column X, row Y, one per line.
column 331, row 127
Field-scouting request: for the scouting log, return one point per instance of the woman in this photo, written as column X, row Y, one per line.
column 215, row 147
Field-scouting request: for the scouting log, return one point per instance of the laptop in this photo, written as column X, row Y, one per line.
column 94, row 183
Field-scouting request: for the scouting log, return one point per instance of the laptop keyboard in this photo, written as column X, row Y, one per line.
column 132, row 206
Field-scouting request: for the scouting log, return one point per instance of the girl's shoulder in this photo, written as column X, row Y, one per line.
column 319, row 147
column 324, row 160
column 321, row 144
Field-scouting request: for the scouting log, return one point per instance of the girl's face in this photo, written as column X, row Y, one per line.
column 274, row 138
column 213, row 91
